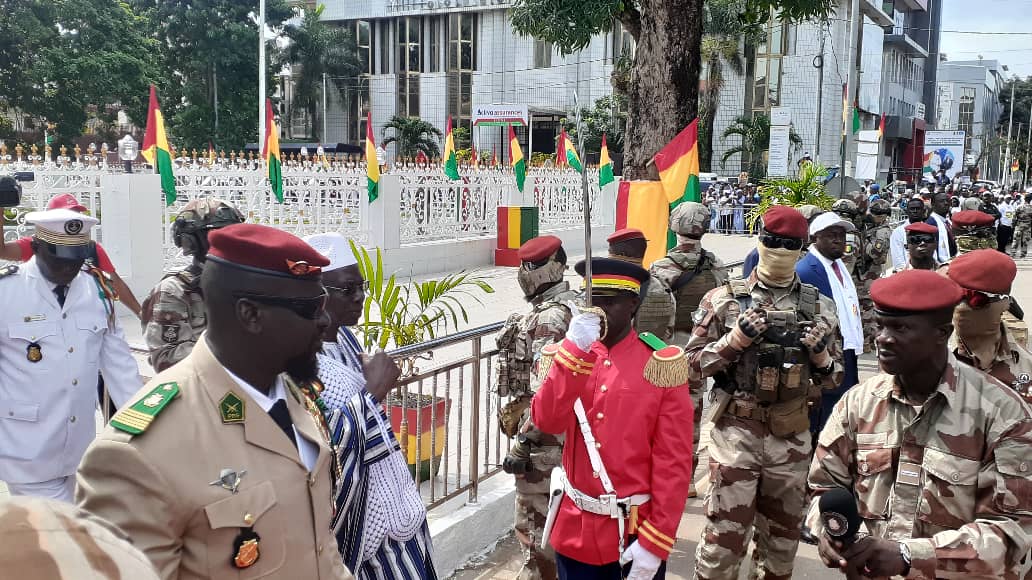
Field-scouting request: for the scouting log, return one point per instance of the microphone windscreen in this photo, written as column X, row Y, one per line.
column 839, row 514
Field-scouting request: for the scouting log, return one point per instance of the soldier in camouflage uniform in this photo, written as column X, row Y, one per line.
column 847, row 209
column 173, row 315
column 532, row 458
column 767, row 342
column 1022, row 228
column 982, row 338
column 875, row 233
column 974, row 230
column 935, row 452
column 657, row 310
column 690, row 272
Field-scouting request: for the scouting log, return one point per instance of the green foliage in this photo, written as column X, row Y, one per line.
column 609, row 116
column 315, row 48
column 66, row 61
column 755, row 134
column 807, row 188
column 412, row 135
column 398, row 314
column 204, row 45
column 462, row 138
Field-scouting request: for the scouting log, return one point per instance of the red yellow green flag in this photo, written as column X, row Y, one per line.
column 881, row 127
column 519, row 165
column 372, row 163
column 1015, row 165
column 605, row 165
column 643, row 205
column 271, row 152
column 678, row 165
column 451, row 162
column 156, row 150
column 569, row 153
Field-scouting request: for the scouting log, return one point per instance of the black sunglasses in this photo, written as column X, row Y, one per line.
column 310, row 308
column 775, row 242
column 349, row 289
column 922, row 239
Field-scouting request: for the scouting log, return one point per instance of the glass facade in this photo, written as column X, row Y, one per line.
column 409, row 64
column 461, row 62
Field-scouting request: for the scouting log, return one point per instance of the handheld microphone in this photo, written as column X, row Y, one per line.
column 839, row 515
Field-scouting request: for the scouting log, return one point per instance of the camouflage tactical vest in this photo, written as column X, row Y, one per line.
column 776, row 367
column 688, row 295
column 656, row 313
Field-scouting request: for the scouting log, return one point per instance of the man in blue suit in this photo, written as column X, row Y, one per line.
column 823, row 267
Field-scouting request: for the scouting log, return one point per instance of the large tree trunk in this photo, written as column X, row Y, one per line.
column 664, row 87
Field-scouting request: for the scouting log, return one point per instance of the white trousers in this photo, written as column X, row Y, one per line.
column 62, row 488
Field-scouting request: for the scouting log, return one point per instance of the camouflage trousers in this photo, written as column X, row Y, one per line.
column 754, row 476
column 698, row 391
column 531, row 512
column 1020, row 244
column 863, row 292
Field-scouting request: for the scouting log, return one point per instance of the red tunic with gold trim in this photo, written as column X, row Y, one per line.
column 644, row 435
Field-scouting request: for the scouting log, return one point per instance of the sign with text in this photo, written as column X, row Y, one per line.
column 500, row 115
column 778, row 149
column 943, row 150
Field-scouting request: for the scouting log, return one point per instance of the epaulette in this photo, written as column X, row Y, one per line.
column 136, row 418
column 547, row 357
column 8, row 270
column 668, row 365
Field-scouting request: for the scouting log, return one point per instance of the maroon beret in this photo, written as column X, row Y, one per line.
column 537, row 249
column 914, row 291
column 264, row 250
column 922, row 228
column 989, row 271
column 972, row 218
column 625, row 234
column 785, row 221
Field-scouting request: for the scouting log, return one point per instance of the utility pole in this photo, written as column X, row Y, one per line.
column 261, row 74
column 1010, row 126
column 819, row 63
column 322, row 137
column 1028, row 146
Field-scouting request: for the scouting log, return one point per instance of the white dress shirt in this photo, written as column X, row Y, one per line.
column 309, row 451
column 846, row 302
column 898, row 246
column 942, row 254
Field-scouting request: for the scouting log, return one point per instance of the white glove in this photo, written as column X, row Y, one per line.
column 585, row 328
column 644, row 564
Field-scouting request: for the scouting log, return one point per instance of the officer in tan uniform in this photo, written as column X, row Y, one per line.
column 656, row 313
column 982, row 339
column 220, row 467
column 767, row 341
column 531, row 459
column 173, row 314
column 689, row 271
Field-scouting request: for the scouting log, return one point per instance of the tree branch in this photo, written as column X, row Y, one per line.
column 631, row 20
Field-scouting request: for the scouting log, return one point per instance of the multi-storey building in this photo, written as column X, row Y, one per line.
column 968, row 99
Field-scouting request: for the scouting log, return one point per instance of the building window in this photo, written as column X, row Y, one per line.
column 966, row 115
column 462, row 61
column 435, row 45
column 542, row 54
column 766, row 68
column 623, row 43
column 358, row 109
column 408, row 95
column 410, row 42
column 364, row 40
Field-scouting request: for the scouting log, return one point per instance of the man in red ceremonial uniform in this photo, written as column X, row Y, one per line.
column 623, row 403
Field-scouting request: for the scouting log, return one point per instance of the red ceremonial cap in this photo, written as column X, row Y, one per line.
column 785, row 221
column 972, row 218
column 914, row 291
column 625, row 234
column 537, row 249
column 989, row 271
column 264, row 250
column 922, row 228
column 66, row 201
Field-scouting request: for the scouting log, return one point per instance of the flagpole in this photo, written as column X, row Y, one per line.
column 261, row 73
column 584, row 190
column 1028, row 147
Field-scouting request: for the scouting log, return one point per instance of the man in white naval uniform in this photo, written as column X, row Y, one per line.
column 57, row 330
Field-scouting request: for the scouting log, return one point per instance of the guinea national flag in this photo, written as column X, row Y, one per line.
column 451, row 164
column 156, row 150
column 678, row 165
column 372, row 162
column 519, row 165
column 569, row 153
column 605, row 165
column 643, row 205
column 271, row 152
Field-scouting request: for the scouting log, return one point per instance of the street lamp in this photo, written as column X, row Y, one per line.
column 128, row 149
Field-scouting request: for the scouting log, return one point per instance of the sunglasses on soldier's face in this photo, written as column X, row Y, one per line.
column 921, row 239
column 310, row 308
column 976, row 299
column 775, row 242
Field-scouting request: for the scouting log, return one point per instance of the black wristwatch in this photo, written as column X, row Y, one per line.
column 904, row 554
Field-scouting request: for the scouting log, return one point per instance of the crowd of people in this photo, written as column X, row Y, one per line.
column 261, row 447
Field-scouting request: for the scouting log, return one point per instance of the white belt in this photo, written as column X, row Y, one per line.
column 606, row 504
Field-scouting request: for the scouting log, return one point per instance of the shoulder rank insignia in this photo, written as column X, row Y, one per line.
column 668, row 365
column 8, row 270
column 136, row 418
column 547, row 357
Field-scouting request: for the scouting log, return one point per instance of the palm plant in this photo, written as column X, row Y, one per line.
column 413, row 135
column 723, row 34
column 755, row 134
column 318, row 48
column 401, row 314
column 807, row 188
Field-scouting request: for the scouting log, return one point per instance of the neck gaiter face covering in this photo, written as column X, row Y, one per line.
column 776, row 267
column 979, row 330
